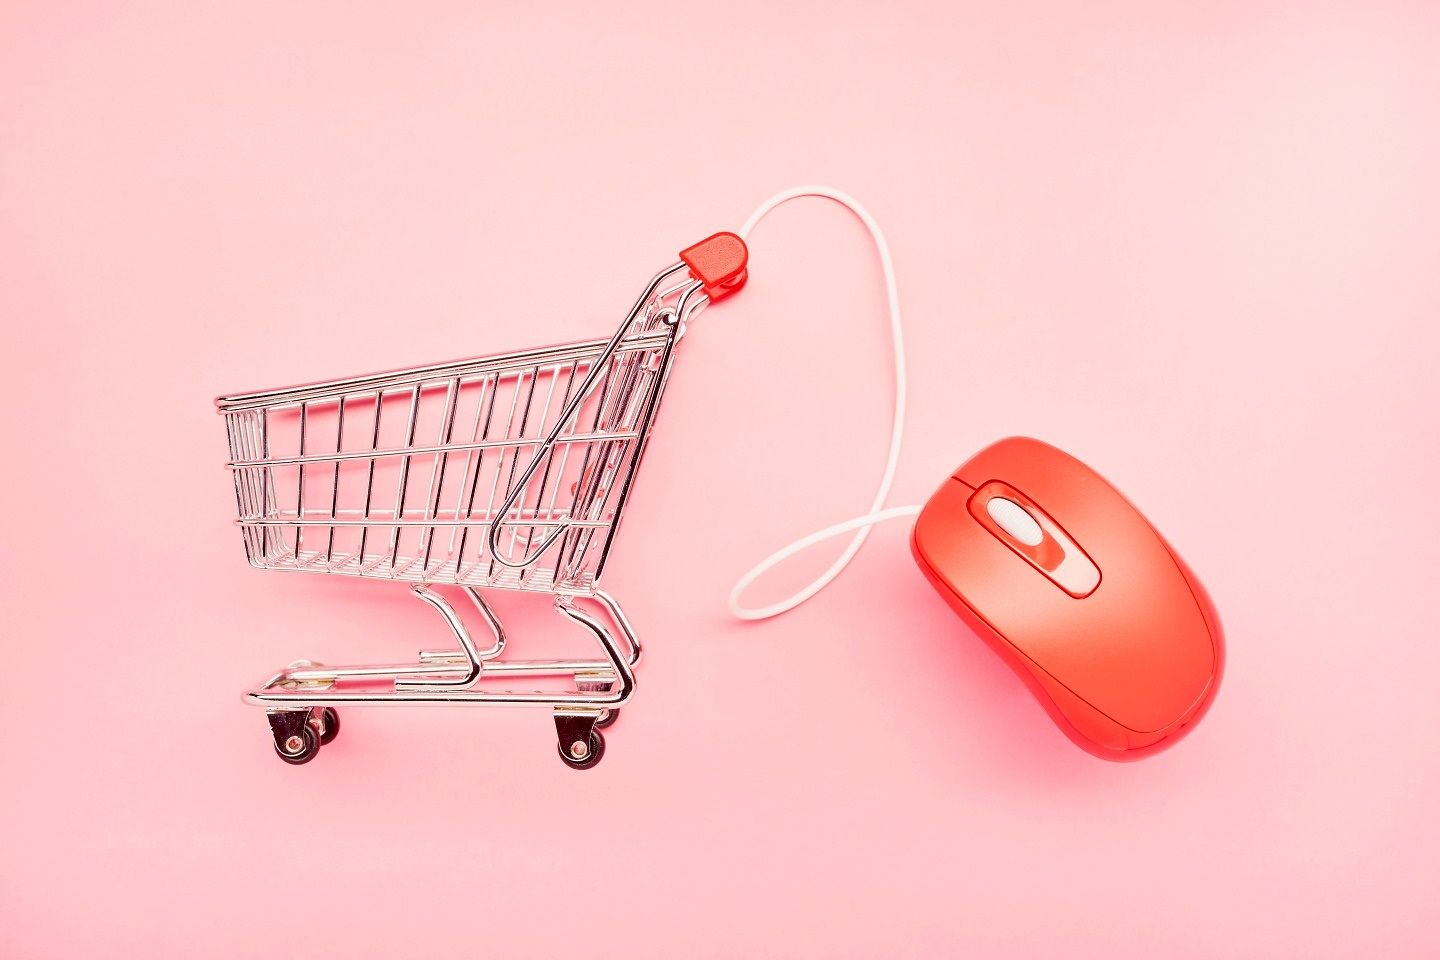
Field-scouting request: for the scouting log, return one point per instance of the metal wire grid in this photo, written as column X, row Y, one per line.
column 398, row 476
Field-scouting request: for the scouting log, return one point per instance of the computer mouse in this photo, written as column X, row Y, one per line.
column 1075, row 589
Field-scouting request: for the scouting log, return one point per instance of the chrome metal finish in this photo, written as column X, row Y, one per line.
column 598, row 683
column 505, row 472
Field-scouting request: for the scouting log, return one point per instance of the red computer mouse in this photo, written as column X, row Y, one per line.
column 1075, row 589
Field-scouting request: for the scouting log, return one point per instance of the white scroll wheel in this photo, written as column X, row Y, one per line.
column 1013, row 519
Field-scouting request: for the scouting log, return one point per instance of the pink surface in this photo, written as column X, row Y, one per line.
column 1196, row 247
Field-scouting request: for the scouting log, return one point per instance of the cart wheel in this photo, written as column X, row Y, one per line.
column 594, row 752
column 300, row 748
column 330, row 723
column 607, row 717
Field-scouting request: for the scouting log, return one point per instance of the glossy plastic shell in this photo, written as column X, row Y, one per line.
column 1125, row 669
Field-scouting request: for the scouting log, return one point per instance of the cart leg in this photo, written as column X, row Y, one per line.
column 579, row 740
column 467, row 660
column 617, row 616
column 491, row 621
column 612, row 607
column 620, row 662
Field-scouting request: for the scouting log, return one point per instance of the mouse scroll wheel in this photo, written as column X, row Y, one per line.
column 1013, row 519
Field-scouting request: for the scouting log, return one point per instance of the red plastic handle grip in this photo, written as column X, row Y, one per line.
column 718, row 262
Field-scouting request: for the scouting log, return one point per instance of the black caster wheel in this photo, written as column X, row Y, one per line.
column 330, row 724
column 607, row 718
column 592, row 755
column 300, row 748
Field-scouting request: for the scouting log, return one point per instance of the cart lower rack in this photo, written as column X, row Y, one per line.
column 508, row 472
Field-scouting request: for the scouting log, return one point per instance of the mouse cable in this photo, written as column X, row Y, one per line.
column 862, row 524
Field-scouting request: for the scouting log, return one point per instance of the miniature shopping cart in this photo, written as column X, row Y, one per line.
column 507, row 472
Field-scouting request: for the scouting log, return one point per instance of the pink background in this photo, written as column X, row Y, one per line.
column 1196, row 246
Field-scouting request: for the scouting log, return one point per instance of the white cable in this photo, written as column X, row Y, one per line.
column 862, row 524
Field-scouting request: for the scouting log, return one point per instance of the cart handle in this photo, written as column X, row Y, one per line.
column 717, row 263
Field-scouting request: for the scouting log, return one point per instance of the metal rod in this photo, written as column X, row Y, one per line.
column 585, row 385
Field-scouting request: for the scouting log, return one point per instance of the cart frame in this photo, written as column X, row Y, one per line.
column 598, row 438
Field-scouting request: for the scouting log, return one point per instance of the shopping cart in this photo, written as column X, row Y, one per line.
column 508, row 472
